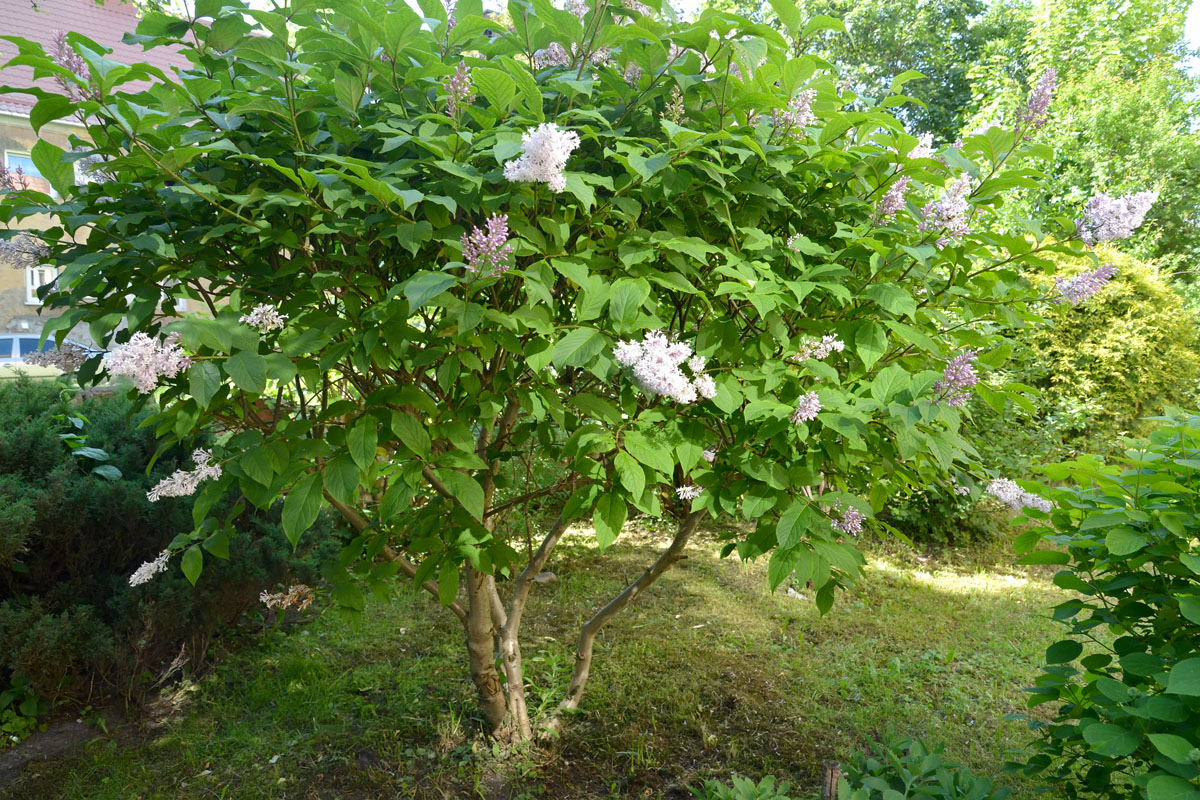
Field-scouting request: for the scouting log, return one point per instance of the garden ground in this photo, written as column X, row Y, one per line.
column 706, row 675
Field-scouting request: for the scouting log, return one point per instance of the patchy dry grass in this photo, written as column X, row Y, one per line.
column 706, row 675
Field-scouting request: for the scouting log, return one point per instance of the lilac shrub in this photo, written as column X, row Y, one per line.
column 678, row 258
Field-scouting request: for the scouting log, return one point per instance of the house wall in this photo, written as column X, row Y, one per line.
column 17, row 316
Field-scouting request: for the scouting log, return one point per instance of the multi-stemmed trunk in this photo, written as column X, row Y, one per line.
column 493, row 629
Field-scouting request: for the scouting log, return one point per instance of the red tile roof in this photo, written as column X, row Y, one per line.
column 104, row 24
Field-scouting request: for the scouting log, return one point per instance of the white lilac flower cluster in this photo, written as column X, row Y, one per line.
column 23, row 251
column 264, row 318
column 145, row 360
column 688, row 493
column 961, row 491
column 1107, row 218
column 1076, row 289
column 655, row 365
column 923, row 147
column 799, row 114
column 955, row 386
column 182, row 483
column 555, row 55
column 850, row 520
column 298, row 596
column 710, row 454
column 149, row 569
column 807, row 409
column 544, row 154
column 949, row 214
column 819, row 348
column 1016, row 498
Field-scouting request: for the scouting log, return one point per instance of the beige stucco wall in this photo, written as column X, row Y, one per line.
column 16, row 316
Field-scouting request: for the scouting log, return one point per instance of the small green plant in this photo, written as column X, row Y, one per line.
column 20, row 708
column 743, row 789
column 902, row 767
column 1126, row 681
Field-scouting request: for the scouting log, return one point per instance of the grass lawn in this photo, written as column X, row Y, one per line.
column 707, row 674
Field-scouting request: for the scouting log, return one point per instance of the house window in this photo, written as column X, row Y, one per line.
column 36, row 277
column 33, row 176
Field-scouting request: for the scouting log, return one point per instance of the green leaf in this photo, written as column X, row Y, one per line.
column 1173, row 747
column 631, row 474
column 108, row 472
column 1111, row 740
column 204, row 379
column 1124, row 540
column 255, row 463
column 793, row 522
column 341, row 478
column 626, row 301
column 424, row 285
column 608, row 519
column 49, row 108
column 447, row 582
column 465, row 490
column 362, row 440
column 1063, row 652
column 892, row 298
column 1169, row 787
column 653, row 455
column 1189, row 607
column 1185, row 678
column 870, row 342
column 248, row 370
column 48, row 158
column 578, row 348
column 889, row 382
column 192, row 563
column 497, row 86
column 301, row 506
column 412, row 433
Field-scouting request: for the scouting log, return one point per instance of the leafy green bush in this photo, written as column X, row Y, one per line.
column 1126, row 683
column 70, row 538
column 902, row 767
column 930, row 515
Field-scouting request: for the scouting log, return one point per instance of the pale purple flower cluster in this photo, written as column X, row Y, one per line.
column 67, row 357
column 459, row 91
column 544, row 155
column 806, row 409
column 688, row 493
column 1080, row 287
column 487, row 252
column 146, row 572
column 710, row 454
column 1107, row 218
column 950, row 213
column 851, row 520
column 1016, row 498
column 1036, row 111
column 923, row 147
column 182, row 483
column 820, row 349
column 655, row 364
column 961, row 491
column 264, row 318
column 578, row 7
column 892, row 200
column 145, row 360
column 555, row 55
column 635, row 7
column 23, row 251
column 959, row 377
column 633, row 74
column 799, row 113
column 450, row 19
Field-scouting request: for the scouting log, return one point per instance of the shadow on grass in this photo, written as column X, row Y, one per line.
column 707, row 674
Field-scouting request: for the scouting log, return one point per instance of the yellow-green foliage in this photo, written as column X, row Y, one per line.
column 1129, row 351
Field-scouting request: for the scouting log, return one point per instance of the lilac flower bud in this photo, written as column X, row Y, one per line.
column 544, row 154
column 459, row 91
column 1036, row 111
column 487, row 253
column 959, row 377
column 1107, row 218
column 145, row 360
column 892, row 200
column 1080, row 287
column 1016, row 498
column 806, row 409
column 950, row 213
